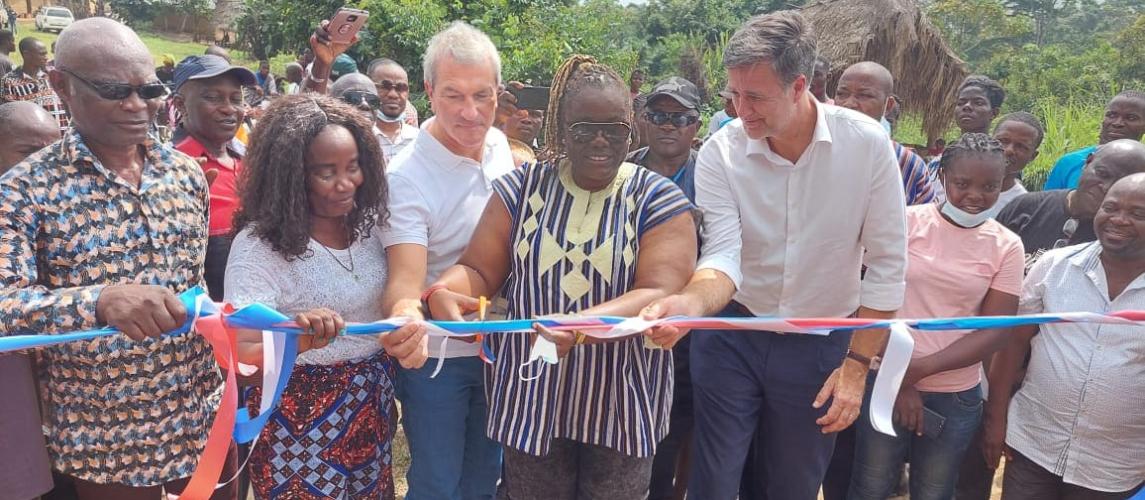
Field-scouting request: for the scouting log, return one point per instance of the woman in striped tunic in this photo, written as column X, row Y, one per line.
column 584, row 233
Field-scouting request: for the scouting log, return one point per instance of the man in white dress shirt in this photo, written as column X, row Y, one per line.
column 796, row 196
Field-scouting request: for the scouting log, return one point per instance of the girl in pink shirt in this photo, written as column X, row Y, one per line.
column 961, row 263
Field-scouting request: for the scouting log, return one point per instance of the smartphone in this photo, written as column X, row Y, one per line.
column 531, row 97
column 932, row 423
column 346, row 23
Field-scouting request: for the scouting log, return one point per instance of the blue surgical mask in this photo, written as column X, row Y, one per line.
column 964, row 218
column 886, row 125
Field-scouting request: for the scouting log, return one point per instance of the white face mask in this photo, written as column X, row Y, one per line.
column 964, row 218
column 383, row 118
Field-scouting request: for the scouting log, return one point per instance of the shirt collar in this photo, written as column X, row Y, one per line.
column 1088, row 260
column 193, row 148
column 821, row 133
column 438, row 154
column 76, row 152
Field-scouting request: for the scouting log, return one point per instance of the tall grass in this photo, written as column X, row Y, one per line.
column 1070, row 125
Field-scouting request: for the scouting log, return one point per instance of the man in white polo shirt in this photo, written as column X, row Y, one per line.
column 796, row 196
column 439, row 186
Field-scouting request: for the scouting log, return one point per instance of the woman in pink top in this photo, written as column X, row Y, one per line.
column 961, row 263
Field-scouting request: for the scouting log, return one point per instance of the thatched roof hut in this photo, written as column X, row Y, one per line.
column 896, row 34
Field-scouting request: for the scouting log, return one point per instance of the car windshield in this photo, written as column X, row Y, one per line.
column 59, row 13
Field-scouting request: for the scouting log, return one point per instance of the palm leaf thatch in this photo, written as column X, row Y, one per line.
column 896, row 34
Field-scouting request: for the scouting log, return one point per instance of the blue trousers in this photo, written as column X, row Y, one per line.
column 934, row 460
column 444, row 421
column 748, row 380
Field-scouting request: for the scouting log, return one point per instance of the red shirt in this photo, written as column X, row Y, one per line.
column 224, row 191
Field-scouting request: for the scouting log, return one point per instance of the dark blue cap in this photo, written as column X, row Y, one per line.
column 209, row 66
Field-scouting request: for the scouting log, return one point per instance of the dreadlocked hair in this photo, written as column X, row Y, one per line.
column 274, row 196
column 576, row 74
column 970, row 145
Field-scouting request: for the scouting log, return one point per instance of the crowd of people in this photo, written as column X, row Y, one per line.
column 323, row 195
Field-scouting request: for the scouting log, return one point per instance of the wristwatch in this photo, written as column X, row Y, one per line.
column 870, row 363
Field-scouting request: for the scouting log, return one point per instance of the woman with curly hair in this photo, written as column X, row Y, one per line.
column 583, row 233
column 313, row 197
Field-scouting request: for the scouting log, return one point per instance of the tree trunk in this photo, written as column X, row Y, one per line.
column 221, row 11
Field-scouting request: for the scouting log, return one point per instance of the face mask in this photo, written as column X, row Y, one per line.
column 886, row 125
column 963, row 218
column 383, row 118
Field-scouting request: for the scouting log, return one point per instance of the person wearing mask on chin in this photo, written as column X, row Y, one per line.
column 961, row 263
column 392, row 84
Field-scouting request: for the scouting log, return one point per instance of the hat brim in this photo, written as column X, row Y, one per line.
column 678, row 98
column 246, row 77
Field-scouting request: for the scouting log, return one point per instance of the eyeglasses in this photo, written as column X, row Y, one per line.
column 356, row 97
column 386, row 86
column 614, row 133
column 121, row 91
column 678, row 119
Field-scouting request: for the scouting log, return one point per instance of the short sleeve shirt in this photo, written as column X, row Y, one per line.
column 571, row 250
column 949, row 271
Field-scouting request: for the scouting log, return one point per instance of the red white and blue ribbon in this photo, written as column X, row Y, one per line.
column 217, row 323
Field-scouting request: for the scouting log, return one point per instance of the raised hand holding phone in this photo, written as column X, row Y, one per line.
column 331, row 39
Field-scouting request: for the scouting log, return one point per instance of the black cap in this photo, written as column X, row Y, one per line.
column 209, row 66
column 683, row 91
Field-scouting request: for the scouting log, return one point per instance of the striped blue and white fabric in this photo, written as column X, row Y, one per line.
column 573, row 249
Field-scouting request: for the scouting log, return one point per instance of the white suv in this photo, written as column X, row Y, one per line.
column 54, row 18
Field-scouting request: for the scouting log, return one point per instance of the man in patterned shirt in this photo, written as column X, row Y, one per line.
column 30, row 82
column 103, row 228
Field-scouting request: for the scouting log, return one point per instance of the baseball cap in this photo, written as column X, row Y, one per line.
column 683, row 91
column 209, row 66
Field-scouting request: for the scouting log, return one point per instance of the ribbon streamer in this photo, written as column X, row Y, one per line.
column 280, row 350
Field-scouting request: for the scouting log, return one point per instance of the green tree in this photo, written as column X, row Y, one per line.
column 1130, row 44
column 975, row 28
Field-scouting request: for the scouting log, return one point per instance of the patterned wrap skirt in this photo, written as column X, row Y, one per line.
column 331, row 435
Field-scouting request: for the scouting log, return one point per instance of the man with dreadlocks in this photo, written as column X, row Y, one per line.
column 441, row 183
column 602, row 237
column 796, row 197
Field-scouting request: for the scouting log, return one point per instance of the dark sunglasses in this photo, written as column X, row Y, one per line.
column 615, row 133
column 386, row 86
column 356, row 97
column 121, row 91
column 678, row 119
